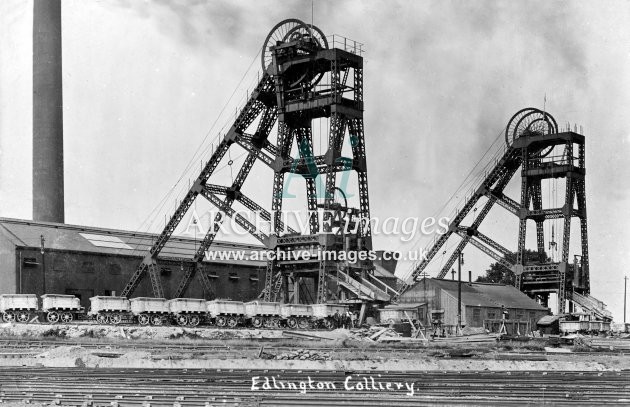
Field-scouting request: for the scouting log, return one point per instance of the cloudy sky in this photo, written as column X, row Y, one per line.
column 148, row 85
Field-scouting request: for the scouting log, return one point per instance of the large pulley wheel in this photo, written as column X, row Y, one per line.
column 531, row 122
column 288, row 30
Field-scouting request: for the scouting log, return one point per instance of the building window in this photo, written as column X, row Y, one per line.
column 30, row 262
column 476, row 316
column 491, row 315
column 110, row 293
column 87, row 267
column 234, row 276
column 213, row 274
column 114, row 269
column 253, row 277
column 59, row 264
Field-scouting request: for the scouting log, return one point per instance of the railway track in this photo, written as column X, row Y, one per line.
column 244, row 350
column 131, row 387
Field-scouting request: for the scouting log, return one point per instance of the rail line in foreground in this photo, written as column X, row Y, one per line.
column 176, row 387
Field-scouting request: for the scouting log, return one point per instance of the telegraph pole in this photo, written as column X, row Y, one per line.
column 460, row 261
column 43, row 264
column 625, row 287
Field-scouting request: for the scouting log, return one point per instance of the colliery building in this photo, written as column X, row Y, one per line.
column 88, row 261
column 437, row 299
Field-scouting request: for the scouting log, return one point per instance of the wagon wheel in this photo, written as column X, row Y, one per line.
column 268, row 323
column 66, row 317
column 257, row 322
column 303, row 323
column 115, row 318
column 182, row 320
column 52, row 317
column 143, row 319
column 8, row 316
column 292, row 322
column 156, row 320
column 232, row 322
column 23, row 316
column 102, row 318
column 329, row 323
column 193, row 320
column 221, row 321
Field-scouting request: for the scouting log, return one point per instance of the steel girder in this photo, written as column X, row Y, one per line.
column 174, row 221
column 219, row 218
column 305, row 145
column 247, row 115
column 498, row 178
column 494, row 195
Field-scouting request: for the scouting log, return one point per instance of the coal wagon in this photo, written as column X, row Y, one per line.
column 18, row 307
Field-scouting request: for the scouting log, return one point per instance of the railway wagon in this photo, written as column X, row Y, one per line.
column 226, row 313
column 148, row 310
column 113, row 310
column 296, row 315
column 325, row 313
column 18, row 307
column 60, row 307
column 262, row 313
column 187, row 311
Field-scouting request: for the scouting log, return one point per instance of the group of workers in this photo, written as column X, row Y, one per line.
column 346, row 320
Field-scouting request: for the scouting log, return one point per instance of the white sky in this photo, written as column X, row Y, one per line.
column 144, row 81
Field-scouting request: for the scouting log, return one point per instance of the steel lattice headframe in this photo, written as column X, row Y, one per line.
column 303, row 79
column 531, row 135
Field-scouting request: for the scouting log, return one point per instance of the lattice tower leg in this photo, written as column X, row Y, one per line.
column 156, row 282
column 269, row 280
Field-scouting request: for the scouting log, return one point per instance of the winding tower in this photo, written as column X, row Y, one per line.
column 541, row 152
column 303, row 79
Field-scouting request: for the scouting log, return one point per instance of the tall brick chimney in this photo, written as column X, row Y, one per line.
column 48, row 191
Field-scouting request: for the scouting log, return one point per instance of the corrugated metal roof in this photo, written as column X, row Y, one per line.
column 469, row 295
column 59, row 236
column 487, row 295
